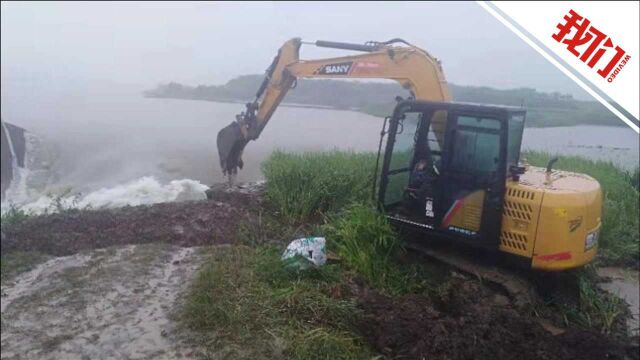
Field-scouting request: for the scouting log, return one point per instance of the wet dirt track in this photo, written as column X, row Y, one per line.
column 122, row 274
column 182, row 223
column 114, row 303
column 471, row 322
column 117, row 282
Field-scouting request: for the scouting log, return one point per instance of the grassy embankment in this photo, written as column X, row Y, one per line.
column 254, row 307
column 15, row 263
column 304, row 186
column 257, row 308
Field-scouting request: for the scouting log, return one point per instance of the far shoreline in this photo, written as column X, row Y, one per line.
column 328, row 107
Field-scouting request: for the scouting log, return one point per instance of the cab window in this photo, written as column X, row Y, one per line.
column 476, row 145
column 516, row 127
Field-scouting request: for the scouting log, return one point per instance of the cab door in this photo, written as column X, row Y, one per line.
column 473, row 178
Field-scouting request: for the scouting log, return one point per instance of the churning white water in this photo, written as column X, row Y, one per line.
column 120, row 149
column 18, row 188
column 144, row 191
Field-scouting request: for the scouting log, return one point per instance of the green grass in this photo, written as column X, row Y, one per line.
column 596, row 309
column 14, row 263
column 620, row 237
column 578, row 302
column 334, row 189
column 634, row 178
column 250, row 306
column 314, row 185
column 302, row 186
column 366, row 242
column 18, row 262
column 12, row 216
column 247, row 303
column 265, row 227
column 368, row 245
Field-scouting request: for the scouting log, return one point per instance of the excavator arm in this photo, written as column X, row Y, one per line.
column 415, row 69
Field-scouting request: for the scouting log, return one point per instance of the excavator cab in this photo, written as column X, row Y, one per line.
column 445, row 166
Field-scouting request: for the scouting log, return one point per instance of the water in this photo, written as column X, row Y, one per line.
column 624, row 283
column 616, row 144
column 143, row 191
column 117, row 148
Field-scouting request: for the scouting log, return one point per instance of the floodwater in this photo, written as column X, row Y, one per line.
column 103, row 140
column 616, row 144
column 624, row 283
column 110, row 139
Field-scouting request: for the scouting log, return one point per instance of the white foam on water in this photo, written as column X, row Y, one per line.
column 144, row 191
column 17, row 192
column 17, row 187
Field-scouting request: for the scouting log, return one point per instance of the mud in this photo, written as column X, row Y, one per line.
column 115, row 303
column 624, row 283
column 119, row 301
column 189, row 223
column 471, row 322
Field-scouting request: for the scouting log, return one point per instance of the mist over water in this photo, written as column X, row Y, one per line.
column 115, row 147
column 103, row 139
column 73, row 74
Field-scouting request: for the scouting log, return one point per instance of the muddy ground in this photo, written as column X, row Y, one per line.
column 469, row 321
column 115, row 303
column 117, row 288
column 624, row 283
column 195, row 223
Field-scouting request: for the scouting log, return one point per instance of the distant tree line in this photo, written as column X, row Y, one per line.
column 544, row 109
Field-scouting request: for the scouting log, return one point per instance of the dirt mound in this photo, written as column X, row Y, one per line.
column 181, row 223
column 471, row 322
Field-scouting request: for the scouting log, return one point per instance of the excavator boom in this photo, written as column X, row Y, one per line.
column 415, row 69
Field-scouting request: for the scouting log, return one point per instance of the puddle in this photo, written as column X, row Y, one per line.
column 33, row 280
column 626, row 284
column 110, row 303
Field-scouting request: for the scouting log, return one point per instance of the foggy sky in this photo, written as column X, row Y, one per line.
column 67, row 47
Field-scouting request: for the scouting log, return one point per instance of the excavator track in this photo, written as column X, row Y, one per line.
column 515, row 285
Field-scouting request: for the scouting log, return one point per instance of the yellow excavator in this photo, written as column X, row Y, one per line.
column 450, row 170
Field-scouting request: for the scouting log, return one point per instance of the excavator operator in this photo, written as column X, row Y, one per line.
column 422, row 182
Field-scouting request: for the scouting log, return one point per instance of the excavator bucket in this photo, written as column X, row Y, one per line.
column 230, row 145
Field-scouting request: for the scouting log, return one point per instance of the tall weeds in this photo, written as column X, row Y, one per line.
column 306, row 185
column 366, row 242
